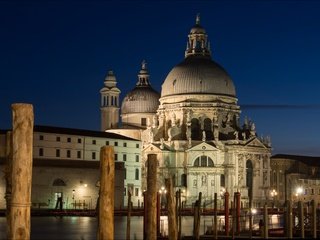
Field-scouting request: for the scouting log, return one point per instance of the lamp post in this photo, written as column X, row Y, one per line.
column 162, row 192
column 74, row 204
column 273, row 194
column 299, row 191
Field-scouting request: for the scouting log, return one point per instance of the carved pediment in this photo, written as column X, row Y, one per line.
column 203, row 147
column 255, row 142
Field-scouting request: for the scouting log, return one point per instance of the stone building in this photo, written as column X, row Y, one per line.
column 194, row 128
column 66, row 164
column 294, row 178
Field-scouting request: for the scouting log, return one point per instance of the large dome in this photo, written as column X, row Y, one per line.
column 198, row 74
column 141, row 100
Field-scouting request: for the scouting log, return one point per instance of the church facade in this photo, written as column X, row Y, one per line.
column 193, row 126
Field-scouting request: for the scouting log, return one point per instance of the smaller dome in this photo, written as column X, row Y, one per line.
column 141, row 100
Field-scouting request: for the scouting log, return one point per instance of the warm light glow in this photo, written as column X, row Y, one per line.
column 253, row 210
column 273, row 193
column 85, row 185
column 299, row 191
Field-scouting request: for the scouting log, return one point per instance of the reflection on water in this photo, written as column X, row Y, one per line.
column 85, row 228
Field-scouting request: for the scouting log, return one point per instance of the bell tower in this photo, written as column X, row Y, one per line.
column 109, row 106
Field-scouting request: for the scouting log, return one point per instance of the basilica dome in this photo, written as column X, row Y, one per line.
column 197, row 73
column 143, row 98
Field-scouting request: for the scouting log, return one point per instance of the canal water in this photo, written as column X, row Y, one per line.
column 85, row 228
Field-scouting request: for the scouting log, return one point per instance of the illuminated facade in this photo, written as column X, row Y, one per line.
column 66, row 163
column 194, row 128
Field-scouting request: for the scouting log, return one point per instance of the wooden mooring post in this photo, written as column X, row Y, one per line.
column 226, row 213
column 129, row 215
column 151, row 231
column 301, row 218
column 106, row 194
column 314, row 218
column 215, row 219
column 21, row 176
column 172, row 215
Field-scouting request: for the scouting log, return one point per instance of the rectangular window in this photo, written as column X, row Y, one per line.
column 137, row 145
column 312, row 191
column 58, row 139
column 68, row 139
column 94, row 142
column 107, row 143
column 79, row 140
column 137, row 158
column 57, row 152
column 116, row 157
column 136, row 191
column 125, row 144
column 125, row 191
column 41, row 137
column 79, row 154
column 137, row 174
column 115, row 144
column 93, row 155
column 125, row 173
column 124, row 157
column 143, row 122
column 40, row 151
column 68, row 153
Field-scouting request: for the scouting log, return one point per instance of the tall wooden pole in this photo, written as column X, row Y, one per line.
column 266, row 222
column 158, row 213
column 215, row 231
column 301, row 218
column 226, row 212
column 172, row 217
column 106, row 198
column 179, row 212
column 238, row 206
column 129, row 215
column 22, row 145
column 314, row 219
column 152, row 197
column 8, row 178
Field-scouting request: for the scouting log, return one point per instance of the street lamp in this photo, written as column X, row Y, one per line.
column 73, row 192
column 273, row 194
column 162, row 192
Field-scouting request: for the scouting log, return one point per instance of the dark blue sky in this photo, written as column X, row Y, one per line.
column 55, row 55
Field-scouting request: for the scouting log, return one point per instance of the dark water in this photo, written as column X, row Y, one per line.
column 85, row 228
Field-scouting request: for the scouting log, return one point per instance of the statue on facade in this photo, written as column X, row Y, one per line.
column 203, row 136
column 161, row 143
column 236, row 134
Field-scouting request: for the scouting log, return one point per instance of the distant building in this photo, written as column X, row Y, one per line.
column 66, row 163
column 295, row 178
column 194, row 128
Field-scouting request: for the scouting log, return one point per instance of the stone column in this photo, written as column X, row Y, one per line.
column 22, row 145
column 106, row 197
column 152, row 198
column 172, row 217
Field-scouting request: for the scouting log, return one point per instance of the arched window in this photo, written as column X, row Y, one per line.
column 184, row 180
column 112, row 101
column 208, row 129
column 58, row 182
column 195, row 129
column 203, row 161
column 222, row 180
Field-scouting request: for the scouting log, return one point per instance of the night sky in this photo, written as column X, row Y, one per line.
column 55, row 55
